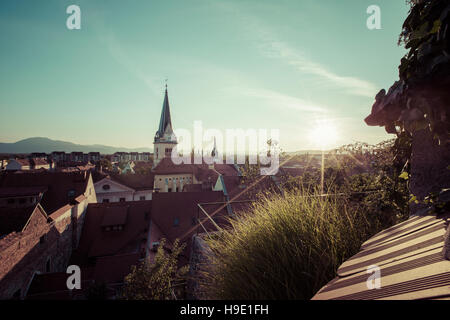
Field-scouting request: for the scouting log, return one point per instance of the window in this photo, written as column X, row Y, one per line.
column 142, row 198
column 176, row 222
column 106, row 187
column 10, row 201
column 122, row 200
column 194, row 221
column 105, row 200
column 22, row 200
column 42, row 239
column 71, row 193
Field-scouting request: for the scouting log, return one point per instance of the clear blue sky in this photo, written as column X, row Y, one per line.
column 232, row 64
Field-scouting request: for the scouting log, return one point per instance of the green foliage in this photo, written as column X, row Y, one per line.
column 290, row 245
column 372, row 175
column 419, row 99
column 122, row 164
column 106, row 164
column 286, row 247
column 155, row 280
column 249, row 172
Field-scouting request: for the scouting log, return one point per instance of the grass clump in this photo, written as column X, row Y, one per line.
column 287, row 247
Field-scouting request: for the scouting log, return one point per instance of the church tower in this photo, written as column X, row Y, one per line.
column 165, row 139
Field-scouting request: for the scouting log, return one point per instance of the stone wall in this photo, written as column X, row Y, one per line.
column 429, row 167
column 197, row 264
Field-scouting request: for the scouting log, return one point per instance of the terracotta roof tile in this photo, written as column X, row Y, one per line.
column 96, row 242
column 58, row 185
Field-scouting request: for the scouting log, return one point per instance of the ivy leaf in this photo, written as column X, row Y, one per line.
column 436, row 26
column 404, row 175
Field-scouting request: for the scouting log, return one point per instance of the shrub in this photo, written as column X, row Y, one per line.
column 155, row 280
column 287, row 247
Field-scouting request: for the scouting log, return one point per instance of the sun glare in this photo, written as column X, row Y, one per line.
column 323, row 135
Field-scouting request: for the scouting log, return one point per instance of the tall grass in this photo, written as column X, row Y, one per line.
column 286, row 247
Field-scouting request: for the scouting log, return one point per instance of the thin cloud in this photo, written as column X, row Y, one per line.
column 280, row 50
column 279, row 100
column 270, row 46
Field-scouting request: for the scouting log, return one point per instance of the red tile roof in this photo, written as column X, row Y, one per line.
column 192, row 187
column 201, row 171
column 226, row 169
column 39, row 162
column 182, row 207
column 166, row 166
column 113, row 269
column 58, row 185
column 135, row 181
column 96, row 242
column 6, row 192
column 115, row 216
column 15, row 219
column 23, row 162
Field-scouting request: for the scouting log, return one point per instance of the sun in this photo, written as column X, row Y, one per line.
column 324, row 135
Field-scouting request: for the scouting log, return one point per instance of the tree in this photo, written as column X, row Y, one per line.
column 420, row 98
column 105, row 164
column 156, row 280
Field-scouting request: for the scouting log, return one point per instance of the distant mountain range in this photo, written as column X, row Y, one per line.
column 39, row 144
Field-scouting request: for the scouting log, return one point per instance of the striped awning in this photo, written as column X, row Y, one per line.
column 408, row 259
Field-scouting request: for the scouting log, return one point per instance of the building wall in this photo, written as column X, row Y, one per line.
column 18, row 202
column 160, row 183
column 160, row 151
column 14, row 165
column 143, row 193
column 24, row 254
column 42, row 166
column 41, row 245
column 115, row 197
column 114, row 193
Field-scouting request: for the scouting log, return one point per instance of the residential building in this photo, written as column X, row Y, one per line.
column 19, row 164
column 41, row 219
column 113, row 190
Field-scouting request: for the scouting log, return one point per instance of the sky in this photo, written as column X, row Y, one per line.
column 287, row 65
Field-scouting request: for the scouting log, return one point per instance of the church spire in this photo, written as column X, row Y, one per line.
column 214, row 150
column 165, row 123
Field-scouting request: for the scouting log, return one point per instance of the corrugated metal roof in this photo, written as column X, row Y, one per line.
column 410, row 258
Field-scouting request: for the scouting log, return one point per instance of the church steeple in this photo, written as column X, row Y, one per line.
column 214, row 150
column 165, row 131
column 165, row 139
